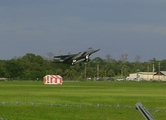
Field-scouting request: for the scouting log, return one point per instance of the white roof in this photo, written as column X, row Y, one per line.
column 145, row 73
column 54, row 76
column 164, row 72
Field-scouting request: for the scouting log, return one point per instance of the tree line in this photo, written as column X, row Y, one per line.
column 35, row 67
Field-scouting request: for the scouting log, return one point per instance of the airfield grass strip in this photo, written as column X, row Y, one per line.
column 85, row 100
column 19, row 107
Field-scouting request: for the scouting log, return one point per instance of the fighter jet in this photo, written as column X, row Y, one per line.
column 76, row 58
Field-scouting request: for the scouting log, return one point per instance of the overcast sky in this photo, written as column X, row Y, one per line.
column 133, row 27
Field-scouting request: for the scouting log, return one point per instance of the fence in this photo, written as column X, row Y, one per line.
column 118, row 106
column 75, row 105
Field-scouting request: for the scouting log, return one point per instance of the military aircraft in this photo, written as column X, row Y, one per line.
column 76, row 58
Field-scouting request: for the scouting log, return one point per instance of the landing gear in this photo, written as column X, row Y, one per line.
column 87, row 58
column 73, row 62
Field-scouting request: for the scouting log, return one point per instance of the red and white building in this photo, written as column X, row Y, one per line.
column 52, row 79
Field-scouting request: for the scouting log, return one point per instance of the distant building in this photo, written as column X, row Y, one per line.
column 3, row 79
column 148, row 76
column 160, row 76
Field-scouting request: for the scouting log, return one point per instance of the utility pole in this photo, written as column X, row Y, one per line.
column 97, row 70
column 85, row 69
column 122, row 72
column 148, row 73
column 153, row 68
column 159, row 69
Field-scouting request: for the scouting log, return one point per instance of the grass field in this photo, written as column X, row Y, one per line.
column 23, row 100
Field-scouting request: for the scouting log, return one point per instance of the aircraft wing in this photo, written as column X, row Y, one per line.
column 65, row 58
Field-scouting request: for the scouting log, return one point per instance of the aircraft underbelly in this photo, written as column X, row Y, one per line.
column 77, row 56
column 78, row 61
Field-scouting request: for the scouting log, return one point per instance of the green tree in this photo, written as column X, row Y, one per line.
column 2, row 70
column 110, row 73
column 13, row 68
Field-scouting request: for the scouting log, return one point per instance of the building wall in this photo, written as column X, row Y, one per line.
column 133, row 75
column 148, row 76
column 160, row 77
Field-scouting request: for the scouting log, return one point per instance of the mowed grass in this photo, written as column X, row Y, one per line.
column 86, row 100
